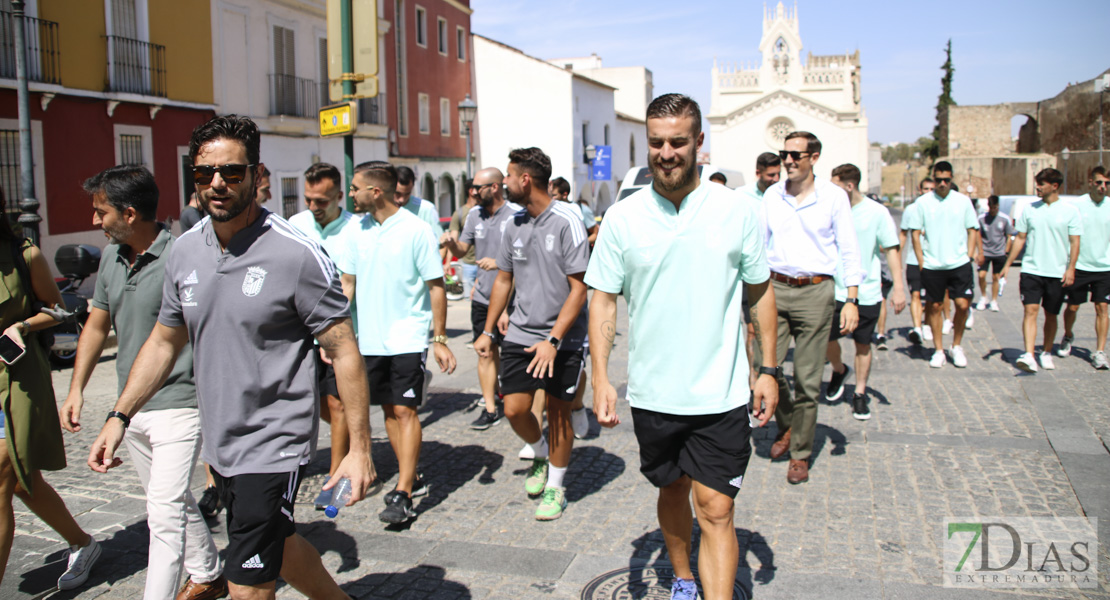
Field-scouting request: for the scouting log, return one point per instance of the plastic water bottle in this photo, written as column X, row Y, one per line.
column 341, row 494
column 1001, row 285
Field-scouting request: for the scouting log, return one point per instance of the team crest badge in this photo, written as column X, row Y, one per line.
column 549, row 242
column 252, row 283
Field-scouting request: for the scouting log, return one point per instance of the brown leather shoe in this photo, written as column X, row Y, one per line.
column 798, row 472
column 217, row 588
column 781, row 445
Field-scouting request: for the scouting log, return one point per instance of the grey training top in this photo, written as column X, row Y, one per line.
column 132, row 296
column 995, row 231
column 252, row 312
column 541, row 253
column 483, row 230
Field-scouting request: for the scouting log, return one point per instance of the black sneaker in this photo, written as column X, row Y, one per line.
column 859, row 407
column 880, row 342
column 486, row 420
column 398, row 508
column 914, row 336
column 210, row 504
column 419, row 487
column 835, row 388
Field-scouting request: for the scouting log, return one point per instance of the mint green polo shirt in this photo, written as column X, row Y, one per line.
column 943, row 222
column 425, row 211
column 875, row 231
column 391, row 262
column 1094, row 246
column 330, row 236
column 1046, row 228
column 907, row 218
column 682, row 274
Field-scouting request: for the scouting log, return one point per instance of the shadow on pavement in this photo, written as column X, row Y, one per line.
column 590, row 469
column 447, row 468
column 440, row 405
column 326, row 537
column 122, row 555
column 421, row 582
column 649, row 550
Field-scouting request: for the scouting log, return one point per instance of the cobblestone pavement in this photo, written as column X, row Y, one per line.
column 983, row 441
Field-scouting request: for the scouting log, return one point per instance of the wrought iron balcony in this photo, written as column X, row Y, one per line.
column 40, row 38
column 136, row 67
column 294, row 96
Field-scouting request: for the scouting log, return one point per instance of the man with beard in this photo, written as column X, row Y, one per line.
column 326, row 222
column 1092, row 271
column 164, row 437
column 484, row 228
column 809, row 233
column 392, row 273
column 681, row 251
column 768, row 168
column 250, row 291
column 544, row 253
column 426, row 211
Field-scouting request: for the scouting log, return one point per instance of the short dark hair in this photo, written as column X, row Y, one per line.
column 534, row 162
column 265, row 172
column 1099, row 170
column 405, row 176
column 1050, row 175
column 381, row 172
column 943, row 166
column 231, row 127
column 675, row 105
column 767, row 159
column 848, row 173
column 124, row 186
column 719, row 177
column 561, row 185
column 926, row 180
column 992, row 199
column 321, row 170
column 813, row 145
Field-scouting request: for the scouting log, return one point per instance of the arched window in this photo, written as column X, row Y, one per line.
column 631, row 151
column 607, row 135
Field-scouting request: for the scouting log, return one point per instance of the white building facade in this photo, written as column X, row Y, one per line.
column 753, row 107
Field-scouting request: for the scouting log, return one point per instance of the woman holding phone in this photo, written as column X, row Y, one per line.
column 31, row 430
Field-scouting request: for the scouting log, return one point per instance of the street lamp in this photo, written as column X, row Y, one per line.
column 28, row 205
column 970, row 187
column 467, row 111
column 1065, row 153
column 1100, row 88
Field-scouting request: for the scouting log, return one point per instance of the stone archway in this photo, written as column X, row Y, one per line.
column 603, row 200
column 1027, row 134
column 428, row 188
column 445, row 201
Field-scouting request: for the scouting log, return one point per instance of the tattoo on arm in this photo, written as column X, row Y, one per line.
column 609, row 331
column 754, row 316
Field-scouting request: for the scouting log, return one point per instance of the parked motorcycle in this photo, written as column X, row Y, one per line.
column 76, row 262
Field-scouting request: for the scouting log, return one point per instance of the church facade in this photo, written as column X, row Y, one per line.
column 754, row 107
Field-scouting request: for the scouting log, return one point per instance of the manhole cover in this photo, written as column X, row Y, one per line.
column 639, row 583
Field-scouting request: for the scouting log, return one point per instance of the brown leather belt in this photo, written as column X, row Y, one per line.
column 799, row 281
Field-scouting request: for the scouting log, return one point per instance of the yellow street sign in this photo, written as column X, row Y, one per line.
column 338, row 119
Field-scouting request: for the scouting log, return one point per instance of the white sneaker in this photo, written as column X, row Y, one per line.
column 526, row 453
column 1099, row 361
column 970, row 320
column 1027, row 363
column 958, row 358
column 938, row 359
column 928, row 332
column 81, row 561
column 580, row 423
column 982, row 305
column 947, row 329
column 994, row 305
column 1046, row 361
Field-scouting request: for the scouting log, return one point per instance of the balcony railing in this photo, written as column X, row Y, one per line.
column 136, row 67
column 40, row 38
column 294, row 96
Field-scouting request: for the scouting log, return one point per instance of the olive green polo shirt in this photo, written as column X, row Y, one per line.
column 132, row 295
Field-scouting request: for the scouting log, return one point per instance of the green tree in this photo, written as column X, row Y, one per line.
column 944, row 101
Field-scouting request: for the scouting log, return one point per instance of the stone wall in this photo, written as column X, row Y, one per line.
column 982, row 130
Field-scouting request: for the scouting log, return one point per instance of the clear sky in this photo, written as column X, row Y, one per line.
column 1003, row 50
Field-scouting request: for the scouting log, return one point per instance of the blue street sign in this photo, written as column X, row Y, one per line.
column 602, row 167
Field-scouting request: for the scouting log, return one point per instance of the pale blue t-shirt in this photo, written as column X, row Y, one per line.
column 391, row 262
column 944, row 223
column 1046, row 228
column 425, row 211
column 907, row 218
column 682, row 273
column 874, row 231
column 1094, row 246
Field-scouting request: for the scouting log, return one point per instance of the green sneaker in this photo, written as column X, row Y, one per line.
column 552, row 505
column 537, row 477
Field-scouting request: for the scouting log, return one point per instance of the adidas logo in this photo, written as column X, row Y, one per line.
column 253, row 562
column 736, row 482
column 191, row 279
column 409, row 394
column 518, row 243
column 571, row 389
column 968, row 292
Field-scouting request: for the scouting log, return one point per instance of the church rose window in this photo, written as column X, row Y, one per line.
column 777, row 131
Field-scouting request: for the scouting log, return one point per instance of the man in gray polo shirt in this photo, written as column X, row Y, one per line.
column 544, row 252
column 996, row 235
column 164, row 438
column 250, row 292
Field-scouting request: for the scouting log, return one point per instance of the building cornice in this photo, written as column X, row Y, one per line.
column 459, row 5
column 46, row 88
column 779, row 97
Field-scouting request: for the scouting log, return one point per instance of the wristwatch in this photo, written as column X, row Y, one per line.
column 775, row 372
column 122, row 417
column 439, row 339
column 554, row 341
column 851, row 301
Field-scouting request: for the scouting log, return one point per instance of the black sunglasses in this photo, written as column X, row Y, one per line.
column 795, row 155
column 942, row 179
column 203, row 174
column 481, row 187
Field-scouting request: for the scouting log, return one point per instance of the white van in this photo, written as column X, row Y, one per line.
column 640, row 177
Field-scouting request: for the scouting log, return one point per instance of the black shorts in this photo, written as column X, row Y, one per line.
column 712, row 449
column 1095, row 282
column 397, row 379
column 259, row 519
column 958, row 282
column 886, row 286
column 562, row 385
column 994, row 264
column 1046, row 291
column 868, row 318
column 478, row 313
column 325, row 377
column 913, row 278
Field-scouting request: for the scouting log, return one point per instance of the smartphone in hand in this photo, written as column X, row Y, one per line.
column 10, row 350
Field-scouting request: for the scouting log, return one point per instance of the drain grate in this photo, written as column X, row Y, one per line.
column 639, row 583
